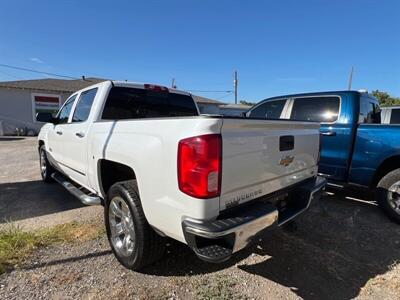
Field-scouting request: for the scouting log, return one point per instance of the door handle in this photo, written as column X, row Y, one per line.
column 80, row 134
column 328, row 133
column 59, row 132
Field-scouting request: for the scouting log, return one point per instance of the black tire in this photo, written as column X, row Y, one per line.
column 383, row 196
column 148, row 246
column 45, row 168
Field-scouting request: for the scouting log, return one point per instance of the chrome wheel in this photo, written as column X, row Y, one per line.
column 43, row 163
column 394, row 196
column 122, row 228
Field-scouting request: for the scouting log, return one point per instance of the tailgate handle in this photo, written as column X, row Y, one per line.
column 286, row 142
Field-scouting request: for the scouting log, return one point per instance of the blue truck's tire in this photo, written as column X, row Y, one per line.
column 147, row 245
column 385, row 198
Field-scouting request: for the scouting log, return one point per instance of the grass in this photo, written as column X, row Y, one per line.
column 218, row 287
column 17, row 244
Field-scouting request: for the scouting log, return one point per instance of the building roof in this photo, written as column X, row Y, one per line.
column 51, row 84
column 235, row 106
column 205, row 100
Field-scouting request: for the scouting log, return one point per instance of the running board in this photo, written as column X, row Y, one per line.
column 84, row 198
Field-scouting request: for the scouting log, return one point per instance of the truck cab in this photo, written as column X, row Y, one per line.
column 356, row 148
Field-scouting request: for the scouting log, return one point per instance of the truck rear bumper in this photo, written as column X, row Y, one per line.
column 233, row 230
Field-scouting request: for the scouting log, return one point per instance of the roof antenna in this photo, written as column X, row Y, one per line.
column 351, row 78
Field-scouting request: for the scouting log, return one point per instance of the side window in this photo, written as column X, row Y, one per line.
column 84, row 105
column 369, row 111
column 316, row 109
column 268, row 110
column 63, row 114
column 395, row 117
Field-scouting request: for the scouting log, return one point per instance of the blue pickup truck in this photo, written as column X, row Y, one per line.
column 356, row 148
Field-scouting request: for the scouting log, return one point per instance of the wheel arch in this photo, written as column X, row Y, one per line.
column 111, row 172
column 388, row 165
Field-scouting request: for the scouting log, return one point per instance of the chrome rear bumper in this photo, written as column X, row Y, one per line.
column 215, row 241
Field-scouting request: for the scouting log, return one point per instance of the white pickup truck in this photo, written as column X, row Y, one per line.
column 162, row 170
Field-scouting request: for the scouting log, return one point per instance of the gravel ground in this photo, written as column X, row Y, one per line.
column 25, row 199
column 343, row 249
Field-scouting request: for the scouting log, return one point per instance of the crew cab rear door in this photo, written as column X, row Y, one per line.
column 260, row 157
column 337, row 131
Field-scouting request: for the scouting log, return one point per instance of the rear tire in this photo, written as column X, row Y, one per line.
column 45, row 168
column 388, row 195
column 134, row 242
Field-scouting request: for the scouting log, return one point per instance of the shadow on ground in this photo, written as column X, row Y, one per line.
column 8, row 139
column 22, row 200
column 339, row 246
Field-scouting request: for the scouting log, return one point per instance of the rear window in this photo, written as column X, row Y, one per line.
column 316, row 109
column 395, row 117
column 133, row 103
column 268, row 110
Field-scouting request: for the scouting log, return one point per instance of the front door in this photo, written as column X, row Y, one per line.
column 74, row 154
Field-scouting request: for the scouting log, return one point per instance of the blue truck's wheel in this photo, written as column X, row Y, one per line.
column 388, row 195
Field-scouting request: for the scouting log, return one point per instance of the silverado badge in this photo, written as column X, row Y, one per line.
column 286, row 161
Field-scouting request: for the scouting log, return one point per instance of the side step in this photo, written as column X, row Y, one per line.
column 84, row 198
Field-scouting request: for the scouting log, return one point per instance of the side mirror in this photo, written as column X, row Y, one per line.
column 244, row 115
column 45, row 117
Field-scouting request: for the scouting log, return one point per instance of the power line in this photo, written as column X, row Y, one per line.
column 36, row 71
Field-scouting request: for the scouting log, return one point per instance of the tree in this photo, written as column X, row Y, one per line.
column 247, row 103
column 385, row 99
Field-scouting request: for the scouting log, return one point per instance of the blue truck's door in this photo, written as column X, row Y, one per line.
column 337, row 130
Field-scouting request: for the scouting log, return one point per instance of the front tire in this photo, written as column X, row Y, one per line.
column 133, row 241
column 388, row 195
column 45, row 168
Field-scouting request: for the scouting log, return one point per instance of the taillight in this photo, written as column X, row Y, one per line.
column 199, row 166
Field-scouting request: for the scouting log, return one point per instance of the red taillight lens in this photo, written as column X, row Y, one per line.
column 199, row 166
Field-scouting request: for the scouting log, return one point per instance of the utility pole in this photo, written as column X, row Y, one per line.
column 351, row 78
column 235, row 84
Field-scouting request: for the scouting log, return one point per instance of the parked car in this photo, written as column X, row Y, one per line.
column 390, row 115
column 161, row 170
column 356, row 148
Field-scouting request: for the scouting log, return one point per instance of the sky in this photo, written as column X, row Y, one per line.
column 277, row 47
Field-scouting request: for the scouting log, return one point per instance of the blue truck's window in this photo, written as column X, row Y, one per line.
column 133, row 103
column 395, row 117
column 316, row 109
column 63, row 114
column 268, row 110
column 369, row 111
column 84, row 105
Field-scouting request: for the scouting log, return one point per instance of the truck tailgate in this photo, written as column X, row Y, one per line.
column 261, row 156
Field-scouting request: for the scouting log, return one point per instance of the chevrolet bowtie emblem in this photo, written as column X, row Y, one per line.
column 286, row 161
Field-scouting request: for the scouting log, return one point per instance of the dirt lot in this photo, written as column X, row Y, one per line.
column 343, row 249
